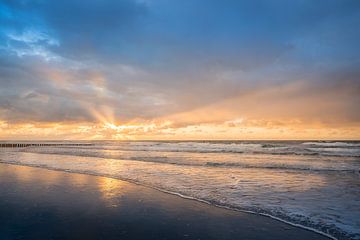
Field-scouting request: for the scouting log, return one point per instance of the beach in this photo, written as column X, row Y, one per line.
column 313, row 185
column 45, row 204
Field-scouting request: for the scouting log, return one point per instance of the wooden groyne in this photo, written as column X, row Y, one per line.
column 22, row 145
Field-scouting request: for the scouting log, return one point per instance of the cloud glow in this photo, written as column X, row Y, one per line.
column 169, row 70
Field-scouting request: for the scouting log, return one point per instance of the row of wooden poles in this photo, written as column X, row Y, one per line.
column 20, row 145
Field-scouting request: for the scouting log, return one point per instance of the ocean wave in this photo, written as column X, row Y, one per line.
column 285, row 167
column 333, row 144
column 261, row 162
column 335, row 151
column 310, row 151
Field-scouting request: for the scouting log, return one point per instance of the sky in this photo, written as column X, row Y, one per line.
column 167, row 69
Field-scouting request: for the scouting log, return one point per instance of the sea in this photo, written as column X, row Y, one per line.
column 310, row 184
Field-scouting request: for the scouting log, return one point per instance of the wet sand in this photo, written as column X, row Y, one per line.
column 43, row 204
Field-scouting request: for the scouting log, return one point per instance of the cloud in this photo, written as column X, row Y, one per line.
column 188, row 62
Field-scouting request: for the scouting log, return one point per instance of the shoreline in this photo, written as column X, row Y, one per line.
column 260, row 217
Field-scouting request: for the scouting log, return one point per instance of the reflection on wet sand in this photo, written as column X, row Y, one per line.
column 48, row 178
column 111, row 190
column 41, row 204
column 80, row 180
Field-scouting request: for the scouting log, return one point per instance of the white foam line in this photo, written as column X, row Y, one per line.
column 173, row 193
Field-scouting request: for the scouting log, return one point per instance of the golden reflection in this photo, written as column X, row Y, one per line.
column 24, row 175
column 51, row 177
column 28, row 175
column 80, row 180
column 111, row 190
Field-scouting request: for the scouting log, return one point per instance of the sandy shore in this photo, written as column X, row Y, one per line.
column 42, row 204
